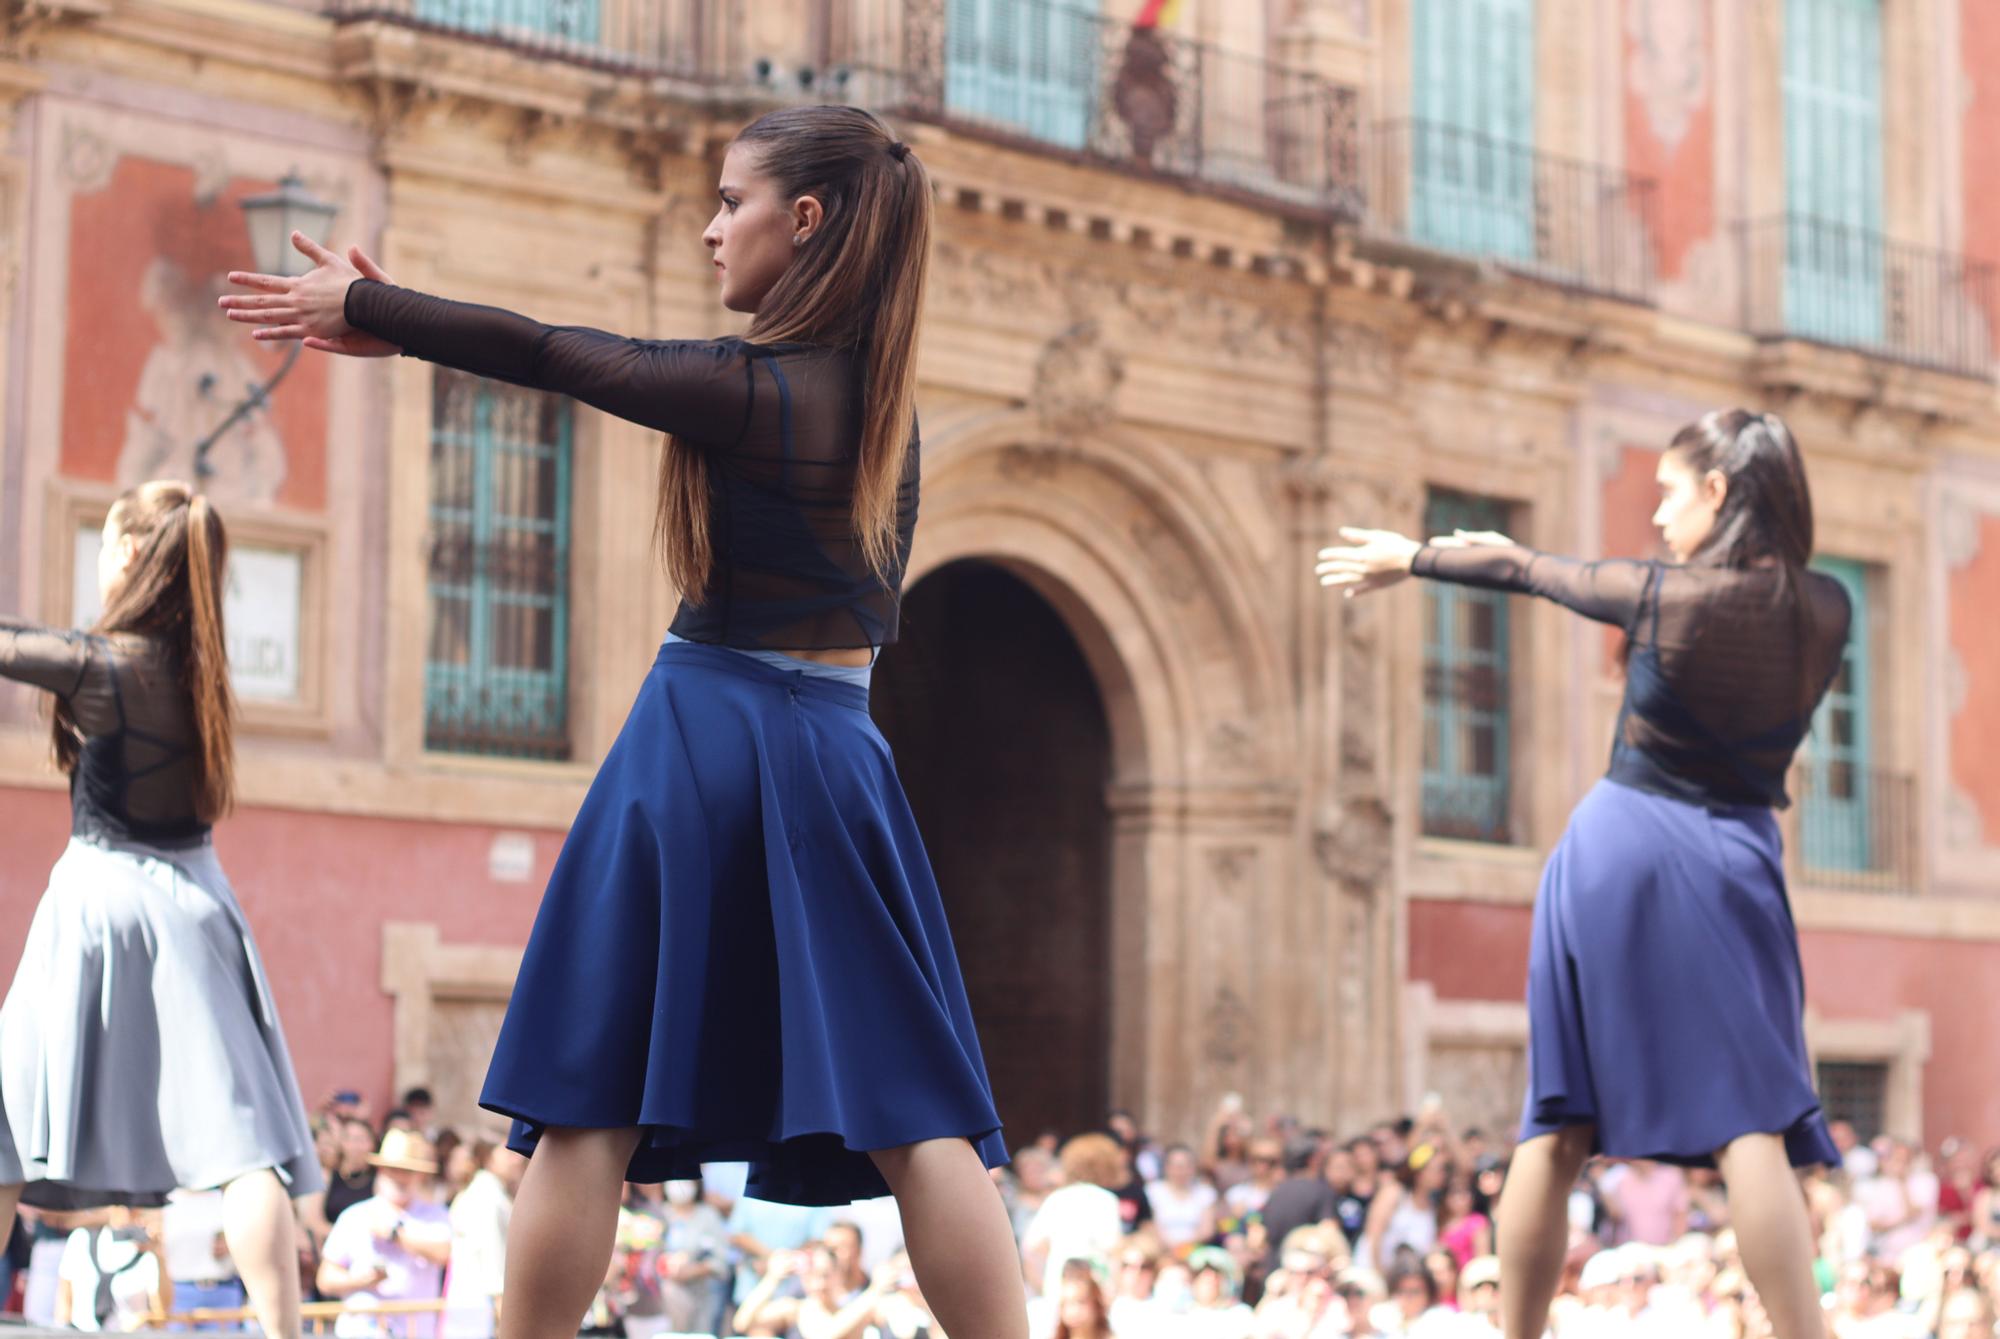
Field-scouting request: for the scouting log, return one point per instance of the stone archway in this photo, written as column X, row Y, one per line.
column 1000, row 734
column 1120, row 540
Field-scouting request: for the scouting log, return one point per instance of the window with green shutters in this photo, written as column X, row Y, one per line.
column 1467, row 690
column 1836, row 817
column 577, row 20
column 1024, row 65
column 1833, row 169
column 496, row 676
column 1472, row 169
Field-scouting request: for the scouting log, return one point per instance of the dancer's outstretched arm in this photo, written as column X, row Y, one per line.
column 1608, row 590
column 53, row 659
column 698, row 389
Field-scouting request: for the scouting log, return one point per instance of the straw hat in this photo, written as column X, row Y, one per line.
column 407, row 1151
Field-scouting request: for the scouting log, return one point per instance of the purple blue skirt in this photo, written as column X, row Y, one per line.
column 1665, row 995
column 742, row 950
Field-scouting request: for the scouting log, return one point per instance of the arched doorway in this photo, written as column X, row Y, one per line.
column 1001, row 737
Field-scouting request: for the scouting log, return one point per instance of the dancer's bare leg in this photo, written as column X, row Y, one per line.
column 10, row 1200
column 263, row 1240
column 1767, row 1207
column 1534, row 1226
column 960, row 1241
column 564, row 1224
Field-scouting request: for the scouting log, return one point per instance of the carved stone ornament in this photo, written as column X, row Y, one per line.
column 1077, row 380
column 1355, row 848
column 1227, row 1028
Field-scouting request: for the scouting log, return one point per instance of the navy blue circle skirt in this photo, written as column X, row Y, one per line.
column 742, row 950
column 1665, row 993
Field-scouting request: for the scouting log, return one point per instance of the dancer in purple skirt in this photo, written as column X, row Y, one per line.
column 1665, row 995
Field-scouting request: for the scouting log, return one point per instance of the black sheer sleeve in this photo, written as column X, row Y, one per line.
column 697, row 389
column 52, row 659
column 1610, row 590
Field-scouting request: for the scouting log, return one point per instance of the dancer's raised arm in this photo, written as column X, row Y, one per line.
column 52, row 659
column 1608, row 590
column 699, row 389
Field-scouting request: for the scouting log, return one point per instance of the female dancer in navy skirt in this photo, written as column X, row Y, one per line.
column 139, row 1047
column 741, row 953
column 1664, row 986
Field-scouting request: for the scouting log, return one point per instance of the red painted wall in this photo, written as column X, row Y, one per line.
column 1975, row 641
column 1473, row 951
column 152, row 217
column 1670, row 121
column 1979, row 54
column 317, row 889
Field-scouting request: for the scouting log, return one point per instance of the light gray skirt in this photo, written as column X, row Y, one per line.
column 139, row 1047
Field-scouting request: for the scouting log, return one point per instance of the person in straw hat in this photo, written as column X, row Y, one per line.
column 391, row 1247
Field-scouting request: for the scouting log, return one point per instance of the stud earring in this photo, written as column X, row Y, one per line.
column 798, row 239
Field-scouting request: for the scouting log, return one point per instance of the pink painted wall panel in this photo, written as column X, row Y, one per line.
column 1474, row 951
column 317, row 889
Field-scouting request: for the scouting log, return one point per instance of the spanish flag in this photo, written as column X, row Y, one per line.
column 1158, row 14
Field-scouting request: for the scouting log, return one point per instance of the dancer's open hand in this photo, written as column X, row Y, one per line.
column 1370, row 560
column 311, row 307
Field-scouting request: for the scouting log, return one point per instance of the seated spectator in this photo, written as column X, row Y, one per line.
column 353, row 1178
column 693, row 1266
column 1217, row 1310
column 112, row 1276
column 198, row 1260
column 1462, row 1229
column 760, row 1232
column 1967, row 1313
column 1081, row 1311
column 1302, row 1199
column 1900, row 1201
column 1029, row 1182
column 1479, row 1297
column 902, row 1313
column 1082, row 1220
column 1412, row 1307
column 1134, row 1280
column 1266, row 1160
column 1183, row 1204
column 479, row 1218
column 391, row 1247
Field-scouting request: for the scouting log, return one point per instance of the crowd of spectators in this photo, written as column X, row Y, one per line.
column 1259, row 1229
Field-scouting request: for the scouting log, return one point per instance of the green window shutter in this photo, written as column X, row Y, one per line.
column 1833, row 169
column 1836, row 810
column 1467, row 690
column 496, row 675
column 1023, row 65
column 1471, row 142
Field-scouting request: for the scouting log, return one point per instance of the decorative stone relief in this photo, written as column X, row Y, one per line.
column 1232, row 866
column 1354, row 849
column 1963, row 828
column 1670, row 64
column 968, row 278
column 1179, row 575
column 1227, row 1029
column 1232, row 747
column 87, row 158
column 1029, row 463
column 1076, row 381
column 1958, row 532
column 1362, row 358
column 1481, row 1084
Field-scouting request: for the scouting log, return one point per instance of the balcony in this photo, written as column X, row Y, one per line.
column 1831, row 284
column 1068, row 80
column 1856, row 827
column 1576, row 224
column 696, row 41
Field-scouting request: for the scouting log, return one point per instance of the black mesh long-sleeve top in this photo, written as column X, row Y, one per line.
column 780, row 425
column 139, row 771
column 1720, row 686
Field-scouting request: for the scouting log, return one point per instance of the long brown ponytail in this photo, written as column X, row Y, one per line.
column 858, row 283
column 172, row 594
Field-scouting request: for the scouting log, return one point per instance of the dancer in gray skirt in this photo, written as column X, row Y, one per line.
column 139, row 1047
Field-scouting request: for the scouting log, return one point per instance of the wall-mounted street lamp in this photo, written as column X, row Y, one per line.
column 271, row 219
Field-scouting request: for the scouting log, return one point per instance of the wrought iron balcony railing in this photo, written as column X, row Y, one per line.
column 1068, row 79
column 700, row 42
column 1826, row 282
column 1572, row 223
column 1856, row 827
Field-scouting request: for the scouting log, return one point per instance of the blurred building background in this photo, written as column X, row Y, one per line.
column 1211, row 279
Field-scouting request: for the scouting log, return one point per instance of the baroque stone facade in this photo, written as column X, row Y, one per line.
column 1148, row 399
